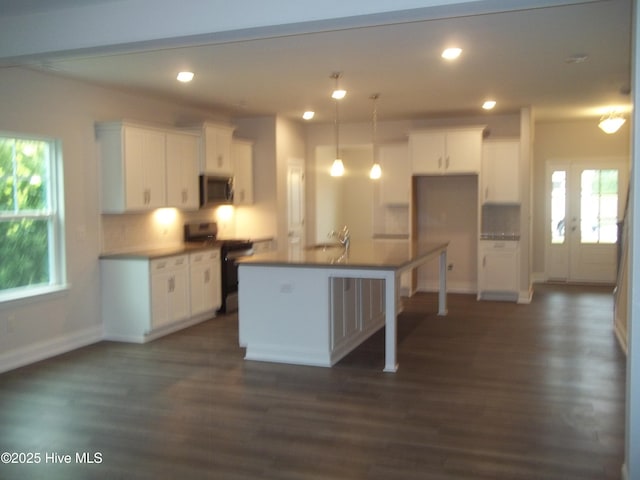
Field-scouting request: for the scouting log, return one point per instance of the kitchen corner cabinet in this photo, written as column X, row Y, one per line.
column 498, row 269
column 204, row 268
column 501, row 171
column 215, row 149
column 133, row 166
column 441, row 152
column 182, row 170
column 242, row 157
column 396, row 175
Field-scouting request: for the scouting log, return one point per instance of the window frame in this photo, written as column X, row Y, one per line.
column 53, row 215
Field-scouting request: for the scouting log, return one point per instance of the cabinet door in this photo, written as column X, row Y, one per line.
column 144, row 163
column 463, row 151
column 427, row 152
column 182, row 171
column 205, row 282
column 396, row 175
column 499, row 268
column 160, row 291
column 179, row 307
column 242, row 153
column 371, row 302
column 344, row 318
column 501, row 171
column 217, row 150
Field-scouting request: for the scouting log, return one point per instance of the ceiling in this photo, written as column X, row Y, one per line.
column 517, row 58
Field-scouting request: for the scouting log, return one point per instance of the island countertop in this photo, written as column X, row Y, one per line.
column 379, row 255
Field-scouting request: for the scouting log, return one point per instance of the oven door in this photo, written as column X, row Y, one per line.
column 230, row 279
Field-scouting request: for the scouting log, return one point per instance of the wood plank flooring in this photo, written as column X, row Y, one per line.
column 492, row 391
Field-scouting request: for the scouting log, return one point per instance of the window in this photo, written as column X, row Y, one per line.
column 31, row 247
column 558, row 205
column 599, row 206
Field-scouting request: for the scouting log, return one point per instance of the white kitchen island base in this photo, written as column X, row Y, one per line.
column 307, row 310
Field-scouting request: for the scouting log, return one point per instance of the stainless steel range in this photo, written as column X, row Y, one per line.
column 230, row 251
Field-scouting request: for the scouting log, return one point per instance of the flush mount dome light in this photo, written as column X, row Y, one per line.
column 185, row 77
column 451, row 53
column 489, row 104
column 611, row 122
column 308, row 115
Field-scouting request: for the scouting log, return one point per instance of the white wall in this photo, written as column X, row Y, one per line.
column 42, row 104
column 260, row 220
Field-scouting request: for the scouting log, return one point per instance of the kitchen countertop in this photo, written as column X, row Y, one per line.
column 376, row 254
column 153, row 253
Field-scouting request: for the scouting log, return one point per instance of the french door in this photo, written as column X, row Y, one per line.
column 585, row 203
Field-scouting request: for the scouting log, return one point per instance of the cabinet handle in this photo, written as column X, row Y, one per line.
column 184, row 195
column 220, row 159
column 171, row 284
column 207, row 276
column 447, row 163
column 484, row 261
column 439, row 162
column 486, row 193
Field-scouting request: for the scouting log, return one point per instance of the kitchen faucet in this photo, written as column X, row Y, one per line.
column 342, row 236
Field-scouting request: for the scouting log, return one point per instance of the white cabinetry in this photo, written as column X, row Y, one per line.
column 204, row 270
column 182, row 170
column 357, row 310
column 438, row 152
column 242, row 157
column 169, row 290
column 132, row 167
column 215, row 149
column 501, row 171
column 396, row 175
column 143, row 299
column 498, row 269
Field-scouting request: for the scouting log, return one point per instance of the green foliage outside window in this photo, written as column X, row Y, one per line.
column 24, row 212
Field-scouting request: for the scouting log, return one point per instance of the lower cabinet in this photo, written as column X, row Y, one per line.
column 143, row 298
column 357, row 310
column 498, row 270
column 169, row 290
column 205, row 281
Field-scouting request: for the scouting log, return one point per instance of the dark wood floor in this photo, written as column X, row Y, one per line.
column 492, row 391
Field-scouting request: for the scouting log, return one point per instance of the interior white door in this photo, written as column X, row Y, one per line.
column 586, row 201
column 295, row 205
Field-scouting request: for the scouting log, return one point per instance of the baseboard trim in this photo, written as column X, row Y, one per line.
column 49, row 348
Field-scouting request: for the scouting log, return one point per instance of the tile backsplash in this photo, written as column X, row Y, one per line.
column 500, row 220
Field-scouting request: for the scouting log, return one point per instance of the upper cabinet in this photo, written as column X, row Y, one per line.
column 182, row 170
column 441, row 152
column 215, row 149
column 133, row 162
column 501, row 171
column 242, row 157
column 396, row 174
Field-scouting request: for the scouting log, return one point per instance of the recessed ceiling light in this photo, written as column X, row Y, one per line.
column 489, row 104
column 308, row 115
column 451, row 53
column 185, row 77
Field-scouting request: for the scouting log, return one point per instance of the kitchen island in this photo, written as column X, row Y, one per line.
column 312, row 306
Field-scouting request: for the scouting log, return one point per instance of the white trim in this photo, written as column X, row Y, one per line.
column 49, row 348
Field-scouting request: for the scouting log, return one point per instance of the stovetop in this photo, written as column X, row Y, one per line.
column 207, row 232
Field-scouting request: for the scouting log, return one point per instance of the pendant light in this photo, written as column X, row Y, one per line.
column 337, row 168
column 375, row 172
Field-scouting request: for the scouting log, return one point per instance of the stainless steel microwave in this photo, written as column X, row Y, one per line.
column 215, row 190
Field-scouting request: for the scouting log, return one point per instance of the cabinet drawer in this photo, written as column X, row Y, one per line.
column 499, row 245
column 168, row 263
column 204, row 256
